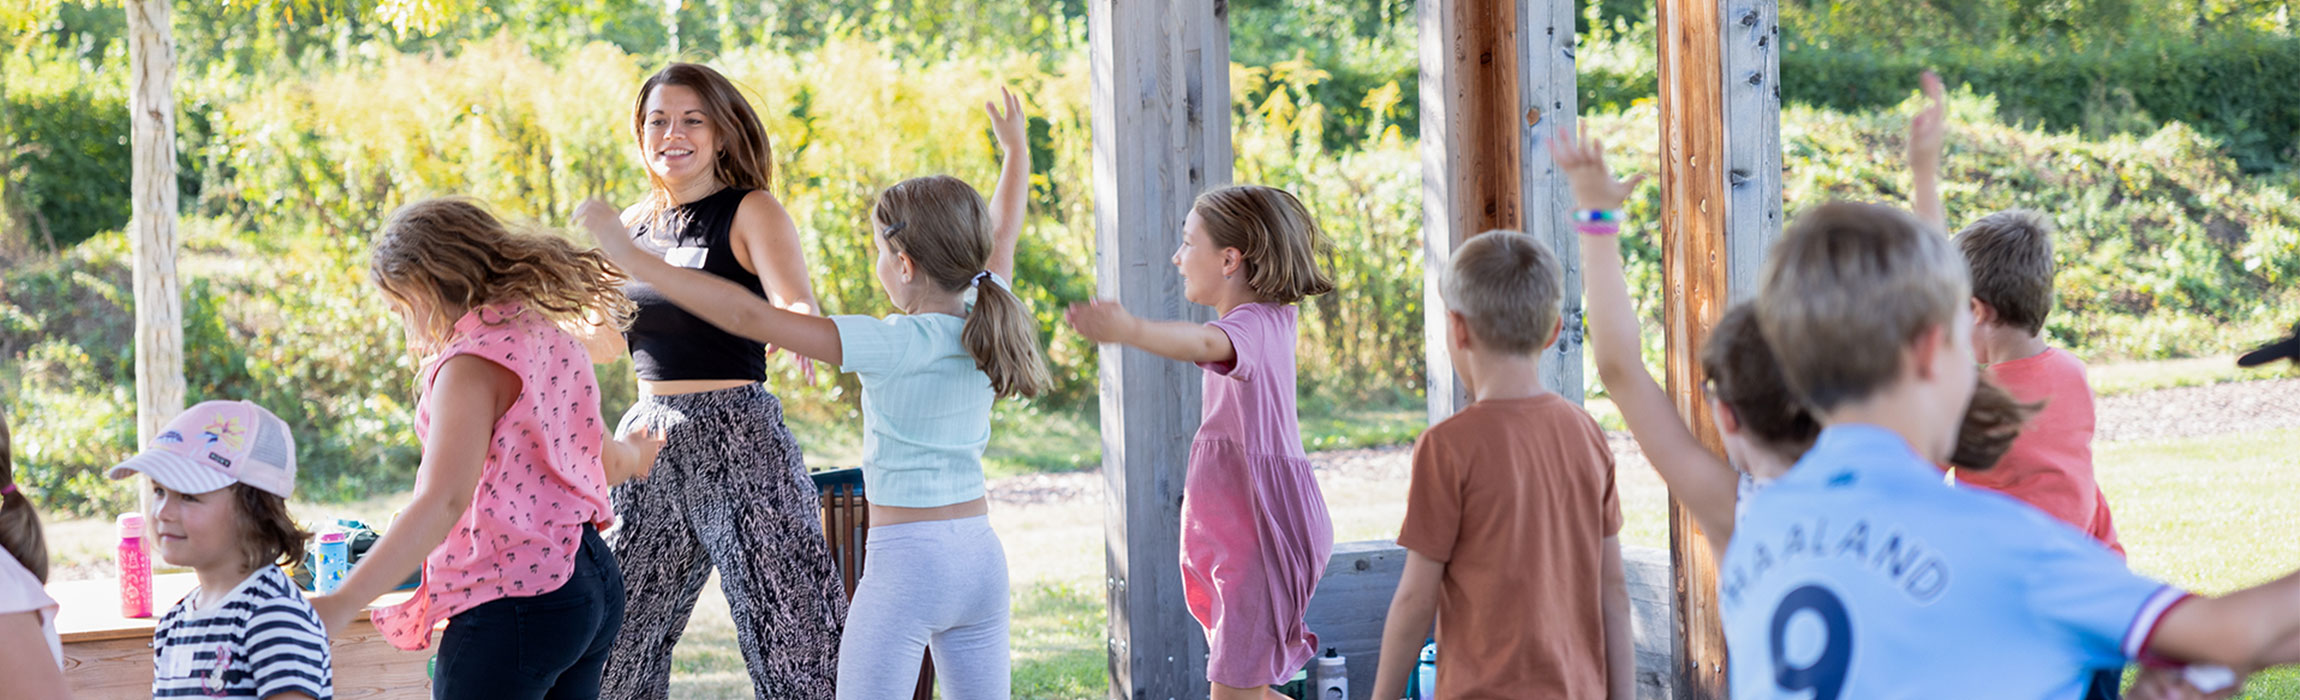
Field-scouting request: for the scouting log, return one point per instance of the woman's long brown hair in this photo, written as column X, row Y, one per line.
column 745, row 159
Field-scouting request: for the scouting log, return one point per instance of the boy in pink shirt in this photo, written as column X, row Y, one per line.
column 2049, row 466
column 2009, row 256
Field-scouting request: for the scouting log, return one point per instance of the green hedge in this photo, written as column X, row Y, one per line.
column 2240, row 90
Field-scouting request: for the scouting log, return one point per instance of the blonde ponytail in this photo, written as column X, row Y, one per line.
column 1003, row 338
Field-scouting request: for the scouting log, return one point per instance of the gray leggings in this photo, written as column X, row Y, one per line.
column 938, row 586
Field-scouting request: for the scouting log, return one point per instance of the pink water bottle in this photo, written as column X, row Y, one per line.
column 135, row 568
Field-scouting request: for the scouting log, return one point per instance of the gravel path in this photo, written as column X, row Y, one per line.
column 2162, row 414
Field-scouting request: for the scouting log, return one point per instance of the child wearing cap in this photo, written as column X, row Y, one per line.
column 221, row 473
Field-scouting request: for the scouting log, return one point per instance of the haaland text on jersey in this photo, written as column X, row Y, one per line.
column 1914, row 569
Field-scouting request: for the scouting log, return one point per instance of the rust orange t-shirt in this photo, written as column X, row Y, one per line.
column 1516, row 498
column 2050, row 464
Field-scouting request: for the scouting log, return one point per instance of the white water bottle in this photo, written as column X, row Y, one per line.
column 1333, row 677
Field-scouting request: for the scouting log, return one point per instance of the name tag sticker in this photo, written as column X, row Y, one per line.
column 687, row 257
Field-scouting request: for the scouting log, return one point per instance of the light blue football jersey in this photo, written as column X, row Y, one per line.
column 1859, row 574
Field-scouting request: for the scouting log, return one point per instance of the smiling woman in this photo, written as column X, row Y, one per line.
column 730, row 489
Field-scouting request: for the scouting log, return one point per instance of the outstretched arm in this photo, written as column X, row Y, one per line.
column 2252, row 628
column 1008, row 203
column 1705, row 484
column 1926, row 132
column 1104, row 321
column 720, row 302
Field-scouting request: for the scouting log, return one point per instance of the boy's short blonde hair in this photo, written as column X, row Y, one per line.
column 1845, row 290
column 2009, row 256
column 1507, row 285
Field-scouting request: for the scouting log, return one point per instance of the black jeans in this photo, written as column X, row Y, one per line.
column 548, row 647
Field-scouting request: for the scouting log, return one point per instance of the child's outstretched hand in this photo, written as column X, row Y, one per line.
column 605, row 224
column 1927, row 129
column 1101, row 320
column 1008, row 124
column 1583, row 160
column 641, row 444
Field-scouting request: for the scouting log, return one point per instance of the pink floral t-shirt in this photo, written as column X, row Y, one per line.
column 543, row 479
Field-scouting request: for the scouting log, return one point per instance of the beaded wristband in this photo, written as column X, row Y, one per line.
column 1597, row 229
column 1598, row 216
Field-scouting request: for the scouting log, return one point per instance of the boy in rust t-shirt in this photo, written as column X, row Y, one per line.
column 1512, row 514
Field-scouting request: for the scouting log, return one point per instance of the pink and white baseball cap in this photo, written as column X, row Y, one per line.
column 216, row 444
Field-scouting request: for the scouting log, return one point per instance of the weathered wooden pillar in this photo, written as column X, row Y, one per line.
column 1721, row 209
column 152, row 219
column 1496, row 80
column 1161, row 137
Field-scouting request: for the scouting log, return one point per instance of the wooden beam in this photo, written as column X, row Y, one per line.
column 1721, row 207
column 1161, row 137
column 1549, row 102
column 152, row 220
column 1496, row 77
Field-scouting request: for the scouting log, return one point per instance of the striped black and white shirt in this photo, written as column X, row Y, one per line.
column 258, row 642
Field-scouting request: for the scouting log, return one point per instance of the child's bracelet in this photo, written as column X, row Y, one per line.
column 1597, row 216
column 1597, row 229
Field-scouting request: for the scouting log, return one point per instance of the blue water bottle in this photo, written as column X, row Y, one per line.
column 1425, row 674
column 334, row 561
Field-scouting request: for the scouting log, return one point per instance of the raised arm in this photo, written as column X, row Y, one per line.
column 1010, row 201
column 1926, row 132
column 1104, row 321
column 1705, row 484
column 713, row 299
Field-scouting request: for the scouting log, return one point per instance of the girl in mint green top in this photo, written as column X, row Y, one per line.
column 935, row 575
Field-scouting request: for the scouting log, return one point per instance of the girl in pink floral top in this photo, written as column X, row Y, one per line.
column 512, row 490
column 1255, row 532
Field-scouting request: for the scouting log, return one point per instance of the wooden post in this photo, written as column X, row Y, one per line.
column 1161, row 137
column 152, row 219
column 1496, row 78
column 1721, row 208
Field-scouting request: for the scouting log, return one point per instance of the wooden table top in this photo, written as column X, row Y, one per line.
column 89, row 610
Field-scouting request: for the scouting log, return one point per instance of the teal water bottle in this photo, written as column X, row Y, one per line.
column 1425, row 675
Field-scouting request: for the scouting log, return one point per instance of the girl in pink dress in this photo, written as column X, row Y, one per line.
column 1255, row 533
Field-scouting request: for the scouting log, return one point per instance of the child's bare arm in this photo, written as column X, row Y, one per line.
column 1412, row 609
column 1104, row 321
column 466, row 398
column 1697, row 478
column 1010, row 201
column 1926, row 133
column 1620, row 644
column 715, row 300
column 31, row 676
column 2252, row 628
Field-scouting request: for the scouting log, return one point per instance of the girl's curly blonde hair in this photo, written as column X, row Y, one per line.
column 450, row 253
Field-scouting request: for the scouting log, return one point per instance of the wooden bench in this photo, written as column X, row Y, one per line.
column 846, row 523
column 1353, row 601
